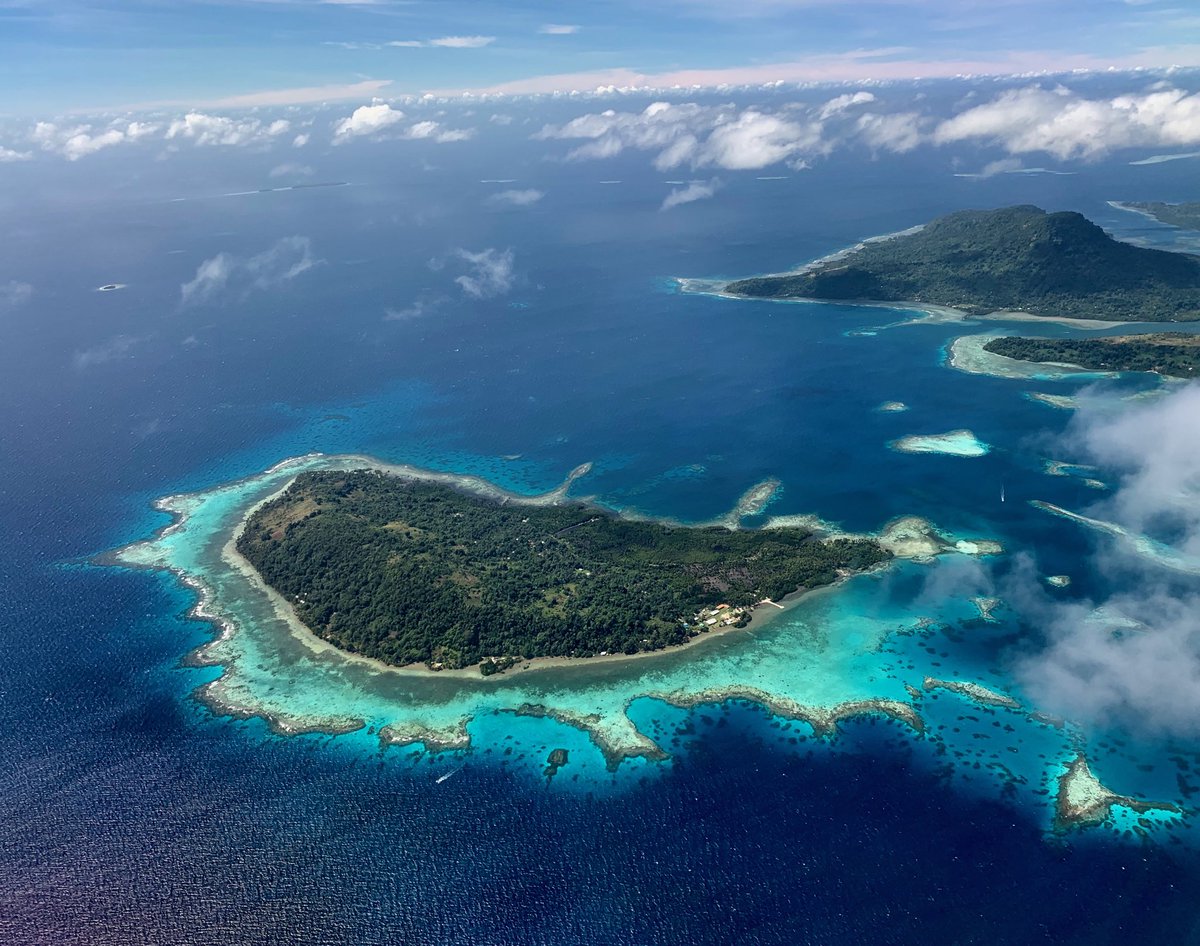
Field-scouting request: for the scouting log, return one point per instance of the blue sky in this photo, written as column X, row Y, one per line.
column 73, row 55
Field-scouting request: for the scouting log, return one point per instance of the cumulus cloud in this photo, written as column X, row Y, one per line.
column 10, row 154
column 211, row 277
column 516, row 198
column 558, row 29
column 1063, row 124
column 1144, row 668
column 370, row 120
column 843, row 102
column 490, row 273
column 694, row 135
column 366, row 120
column 14, row 293
column 223, row 273
column 898, row 132
column 79, row 141
column 220, row 130
column 696, row 190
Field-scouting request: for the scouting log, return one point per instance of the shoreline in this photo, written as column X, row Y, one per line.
column 930, row 313
column 208, row 610
column 896, row 537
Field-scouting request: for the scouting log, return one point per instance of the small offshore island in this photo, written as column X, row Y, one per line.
column 1015, row 259
column 1174, row 354
column 411, row 572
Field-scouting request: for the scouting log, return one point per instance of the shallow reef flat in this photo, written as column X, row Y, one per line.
column 954, row 443
column 967, row 353
column 1082, row 800
column 830, row 657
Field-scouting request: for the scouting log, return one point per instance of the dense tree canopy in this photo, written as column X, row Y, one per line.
column 408, row 571
column 1171, row 353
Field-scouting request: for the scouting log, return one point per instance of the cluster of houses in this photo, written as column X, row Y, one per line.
column 721, row 615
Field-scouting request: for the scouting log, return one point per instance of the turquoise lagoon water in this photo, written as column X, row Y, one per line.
column 118, row 768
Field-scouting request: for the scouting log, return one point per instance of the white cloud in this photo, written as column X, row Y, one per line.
column 446, row 42
column 291, row 169
column 516, row 198
column 1065, row 125
column 366, row 120
column 75, row 142
column 691, row 134
column 278, row 264
column 558, row 29
column 105, row 352
column 756, row 140
column 843, row 102
column 696, row 190
column 219, row 130
column 899, row 132
column 491, row 272
column 449, row 135
column 211, row 277
column 300, row 140
column 9, row 154
column 420, row 308
column 1146, row 675
column 463, row 42
column 14, row 293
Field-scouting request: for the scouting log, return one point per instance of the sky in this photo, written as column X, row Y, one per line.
column 68, row 56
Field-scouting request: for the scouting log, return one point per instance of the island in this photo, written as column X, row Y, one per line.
column 1082, row 800
column 409, row 571
column 1175, row 354
column 1015, row 259
column 1184, row 215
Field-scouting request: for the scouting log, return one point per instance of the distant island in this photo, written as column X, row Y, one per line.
column 411, row 572
column 1184, row 215
column 1175, row 354
column 1018, row 259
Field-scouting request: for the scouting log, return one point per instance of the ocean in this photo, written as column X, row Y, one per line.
column 132, row 814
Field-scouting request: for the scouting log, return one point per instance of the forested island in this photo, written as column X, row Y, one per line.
column 415, row 572
column 1176, row 354
column 1184, row 215
column 1011, row 259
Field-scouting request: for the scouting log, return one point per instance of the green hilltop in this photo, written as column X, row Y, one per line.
column 1015, row 258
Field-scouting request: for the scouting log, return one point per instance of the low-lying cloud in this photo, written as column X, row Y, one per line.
column 1143, row 669
column 516, row 197
column 226, row 274
column 491, row 272
column 1063, row 124
column 695, row 190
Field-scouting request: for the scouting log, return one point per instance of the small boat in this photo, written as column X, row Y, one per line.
column 1001, row 492
column 442, row 778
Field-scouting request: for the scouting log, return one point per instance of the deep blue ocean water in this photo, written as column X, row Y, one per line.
column 131, row 815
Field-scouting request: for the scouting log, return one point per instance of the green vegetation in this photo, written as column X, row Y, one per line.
column 1016, row 258
column 1171, row 353
column 411, row 572
column 1186, row 216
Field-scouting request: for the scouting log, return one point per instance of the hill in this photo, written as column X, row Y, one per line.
column 1016, row 259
